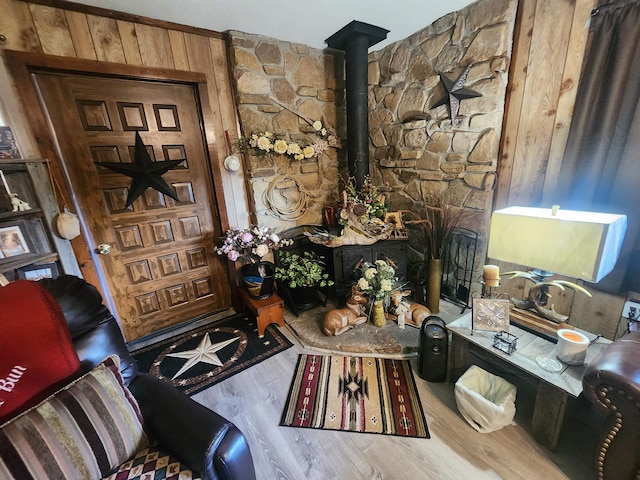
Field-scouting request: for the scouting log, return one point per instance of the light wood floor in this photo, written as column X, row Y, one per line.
column 253, row 400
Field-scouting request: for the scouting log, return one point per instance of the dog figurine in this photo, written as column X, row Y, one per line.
column 412, row 313
column 340, row 320
column 19, row 205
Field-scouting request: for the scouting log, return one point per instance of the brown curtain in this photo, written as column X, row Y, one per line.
column 601, row 166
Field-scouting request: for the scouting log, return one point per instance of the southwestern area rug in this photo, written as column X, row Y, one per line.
column 200, row 358
column 355, row 394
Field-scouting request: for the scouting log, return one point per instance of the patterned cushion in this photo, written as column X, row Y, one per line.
column 82, row 431
column 152, row 464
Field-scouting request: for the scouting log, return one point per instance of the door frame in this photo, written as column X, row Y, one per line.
column 21, row 65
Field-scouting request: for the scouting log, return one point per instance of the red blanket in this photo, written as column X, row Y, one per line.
column 36, row 352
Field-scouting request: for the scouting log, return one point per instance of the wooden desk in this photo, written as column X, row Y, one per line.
column 553, row 387
column 266, row 311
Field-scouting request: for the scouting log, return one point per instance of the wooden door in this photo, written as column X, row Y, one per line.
column 161, row 269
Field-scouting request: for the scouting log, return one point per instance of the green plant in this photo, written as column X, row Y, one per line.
column 306, row 270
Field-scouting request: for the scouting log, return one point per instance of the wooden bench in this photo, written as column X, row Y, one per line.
column 266, row 311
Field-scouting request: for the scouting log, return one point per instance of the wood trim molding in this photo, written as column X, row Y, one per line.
column 127, row 17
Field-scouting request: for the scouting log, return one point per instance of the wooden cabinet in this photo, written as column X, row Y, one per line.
column 27, row 239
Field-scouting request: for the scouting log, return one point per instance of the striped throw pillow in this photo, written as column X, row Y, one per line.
column 83, row 431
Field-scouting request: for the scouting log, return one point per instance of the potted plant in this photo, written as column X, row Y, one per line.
column 302, row 275
column 249, row 246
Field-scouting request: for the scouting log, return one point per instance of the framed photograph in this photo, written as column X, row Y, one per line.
column 38, row 272
column 13, row 241
column 8, row 147
column 490, row 314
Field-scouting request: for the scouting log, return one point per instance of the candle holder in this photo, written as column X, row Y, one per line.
column 489, row 291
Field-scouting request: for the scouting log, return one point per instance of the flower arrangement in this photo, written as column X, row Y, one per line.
column 262, row 143
column 366, row 204
column 250, row 244
column 377, row 280
column 306, row 270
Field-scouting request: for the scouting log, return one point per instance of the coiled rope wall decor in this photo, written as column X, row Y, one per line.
column 286, row 198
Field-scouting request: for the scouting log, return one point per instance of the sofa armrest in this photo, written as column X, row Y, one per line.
column 612, row 382
column 207, row 442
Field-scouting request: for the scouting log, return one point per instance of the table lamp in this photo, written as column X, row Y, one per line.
column 577, row 244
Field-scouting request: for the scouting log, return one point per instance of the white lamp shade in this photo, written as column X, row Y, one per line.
column 576, row 244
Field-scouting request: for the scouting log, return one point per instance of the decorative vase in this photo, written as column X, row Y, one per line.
column 258, row 279
column 434, row 282
column 377, row 314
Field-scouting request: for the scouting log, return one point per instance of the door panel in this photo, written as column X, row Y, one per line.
column 162, row 269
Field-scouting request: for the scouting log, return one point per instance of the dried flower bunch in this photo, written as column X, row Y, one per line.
column 437, row 226
column 367, row 203
column 266, row 142
column 250, row 244
column 377, row 280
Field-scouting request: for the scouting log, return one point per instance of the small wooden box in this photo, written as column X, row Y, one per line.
column 266, row 311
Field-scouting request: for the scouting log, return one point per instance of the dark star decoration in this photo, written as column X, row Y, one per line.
column 456, row 93
column 144, row 172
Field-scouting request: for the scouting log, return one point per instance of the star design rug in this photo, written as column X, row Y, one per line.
column 200, row 358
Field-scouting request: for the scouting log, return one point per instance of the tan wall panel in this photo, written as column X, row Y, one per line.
column 179, row 50
column 155, row 47
column 81, row 35
column 53, row 31
column 129, row 42
column 569, row 89
column 16, row 24
column 106, row 39
column 540, row 101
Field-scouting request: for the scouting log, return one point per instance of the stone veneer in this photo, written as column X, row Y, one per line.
column 433, row 154
column 413, row 159
column 278, row 84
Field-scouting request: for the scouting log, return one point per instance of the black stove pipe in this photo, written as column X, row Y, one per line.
column 355, row 39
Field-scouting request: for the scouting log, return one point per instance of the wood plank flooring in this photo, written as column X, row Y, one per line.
column 254, row 399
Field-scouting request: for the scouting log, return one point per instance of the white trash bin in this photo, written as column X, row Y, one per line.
column 486, row 401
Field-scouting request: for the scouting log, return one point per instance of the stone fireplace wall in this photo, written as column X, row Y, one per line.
column 281, row 85
column 418, row 150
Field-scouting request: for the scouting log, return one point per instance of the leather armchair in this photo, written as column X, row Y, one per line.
column 612, row 382
column 211, row 445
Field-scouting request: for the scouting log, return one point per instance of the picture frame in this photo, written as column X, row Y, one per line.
column 490, row 314
column 37, row 272
column 14, row 240
column 8, row 146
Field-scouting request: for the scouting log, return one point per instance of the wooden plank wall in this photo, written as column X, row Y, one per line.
column 55, row 27
column 549, row 45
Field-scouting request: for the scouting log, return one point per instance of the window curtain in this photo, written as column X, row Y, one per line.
column 601, row 166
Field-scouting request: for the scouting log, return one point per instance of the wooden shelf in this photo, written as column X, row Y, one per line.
column 11, row 215
column 19, row 261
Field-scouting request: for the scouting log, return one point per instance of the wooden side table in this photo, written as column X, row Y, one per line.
column 266, row 311
column 554, row 388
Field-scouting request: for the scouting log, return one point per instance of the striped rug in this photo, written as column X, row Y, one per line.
column 355, row 394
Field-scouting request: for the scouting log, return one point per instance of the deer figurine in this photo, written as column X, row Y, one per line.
column 340, row 320
column 412, row 313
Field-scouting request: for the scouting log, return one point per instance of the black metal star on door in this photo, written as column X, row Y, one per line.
column 144, row 172
column 456, row 93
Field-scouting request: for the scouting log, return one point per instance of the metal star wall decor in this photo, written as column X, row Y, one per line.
column 455, row 93
column 144, row 172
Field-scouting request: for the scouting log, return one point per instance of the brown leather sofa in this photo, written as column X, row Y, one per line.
column 612, row 382
column 208, row 443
